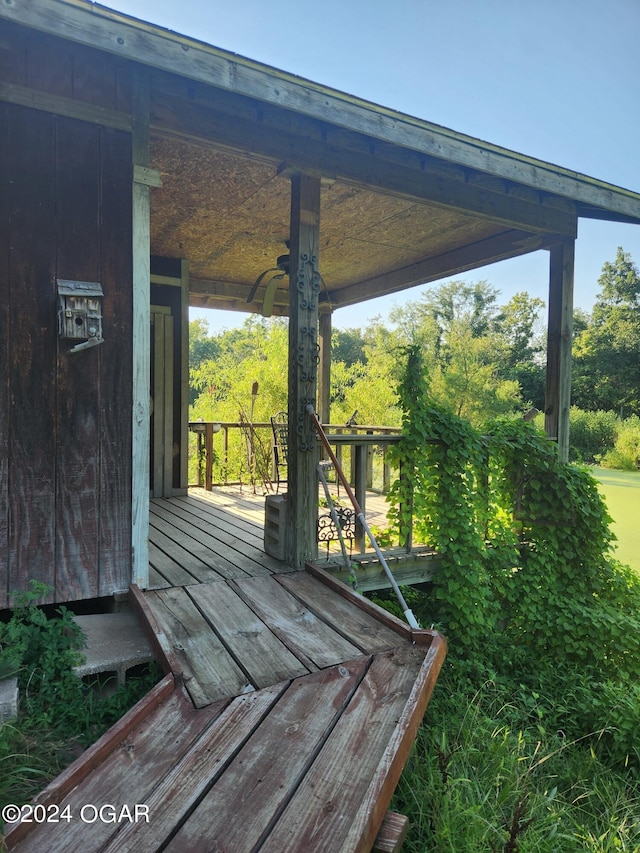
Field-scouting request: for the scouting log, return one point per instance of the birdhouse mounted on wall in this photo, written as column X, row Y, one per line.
column 80, row 311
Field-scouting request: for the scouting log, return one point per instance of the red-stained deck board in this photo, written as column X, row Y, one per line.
column 236, row 807
column 319, row 815
column 126, row 776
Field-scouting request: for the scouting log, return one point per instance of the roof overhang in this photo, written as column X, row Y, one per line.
column 404, row 201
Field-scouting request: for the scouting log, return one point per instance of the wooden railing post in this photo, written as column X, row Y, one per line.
column 208, row 454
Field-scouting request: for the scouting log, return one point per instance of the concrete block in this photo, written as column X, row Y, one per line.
column 115, row 643
column 8, row 699
column 275, row 526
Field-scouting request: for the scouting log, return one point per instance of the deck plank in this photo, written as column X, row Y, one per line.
column 319, row 815
column 240, row 809
column 307, row 636
column 200, row 562
column 126, row 776
column 360, row 628
column 264, row 657
column 172, row 801
column 243, row 558
column 210, row 673
column 252, row 529
column 156, row 580
column 366, row 822
column 171, row 572
column 180, row 531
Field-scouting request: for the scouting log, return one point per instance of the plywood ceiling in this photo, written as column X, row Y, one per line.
column 228, row 214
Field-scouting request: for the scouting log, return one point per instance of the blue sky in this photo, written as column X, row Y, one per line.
column 554, row 79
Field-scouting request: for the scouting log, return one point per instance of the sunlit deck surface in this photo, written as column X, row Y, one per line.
column 220, row 534
column 288, row 709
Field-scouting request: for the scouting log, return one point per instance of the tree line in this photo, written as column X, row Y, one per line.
column 482, row 359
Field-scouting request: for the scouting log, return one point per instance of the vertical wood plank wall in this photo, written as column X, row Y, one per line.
column 65, row 422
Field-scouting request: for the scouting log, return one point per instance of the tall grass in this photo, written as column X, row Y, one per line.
column 491, row 772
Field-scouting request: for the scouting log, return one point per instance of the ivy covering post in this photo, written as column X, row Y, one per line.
column 526, row 567
column 443, row 463
column 559, row 341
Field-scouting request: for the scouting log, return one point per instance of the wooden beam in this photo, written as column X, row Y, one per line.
column 559, row 337
column 37, row 100
column 426, row 181
column 144, row 43
column 141, row 337
column 508, row 244
column 231, row 295
column 304, row 293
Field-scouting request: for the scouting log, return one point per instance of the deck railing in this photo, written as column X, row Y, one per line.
column 233, row 452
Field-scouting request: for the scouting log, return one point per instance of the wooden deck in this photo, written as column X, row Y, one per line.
column 288, row 709
column 219, row 534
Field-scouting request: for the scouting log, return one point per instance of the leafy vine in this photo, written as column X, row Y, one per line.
column 525, row 539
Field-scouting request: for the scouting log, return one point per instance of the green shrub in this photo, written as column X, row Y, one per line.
column 591, row 434
column 58, row 711
column 626, row 453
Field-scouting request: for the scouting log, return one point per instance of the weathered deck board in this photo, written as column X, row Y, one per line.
column 171, row 572
column 133, row 769
column 308, row 637
column 210, row 673
column 230, row 550
column 251, row 529
column 193, row 775
column 359, row 627
column 177, row 528
column 156, row 580
column 200, row 562
column 318, row 816
column 264, row 657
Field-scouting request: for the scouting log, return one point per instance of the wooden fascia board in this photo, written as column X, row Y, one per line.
column 586, row 211
column 196, row 124
column 37, row 100
column 104, row 29
column 509, row 244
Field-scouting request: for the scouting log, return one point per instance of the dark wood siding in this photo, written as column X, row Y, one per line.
column 65, row 431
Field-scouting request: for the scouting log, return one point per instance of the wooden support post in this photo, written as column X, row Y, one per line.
column 559, row 335
column 141, row 336
column 184, row 378
column 360, row 452
column 208, row 456
column 324, row 377
column 304, row 292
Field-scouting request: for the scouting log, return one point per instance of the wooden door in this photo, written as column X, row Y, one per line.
column 162, row 403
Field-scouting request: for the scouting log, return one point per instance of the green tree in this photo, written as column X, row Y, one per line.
column 466, row 344
column 202, row 348
column 522, row 346
column 606, row 362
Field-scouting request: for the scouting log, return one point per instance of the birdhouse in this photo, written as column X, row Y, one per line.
column 79, row 310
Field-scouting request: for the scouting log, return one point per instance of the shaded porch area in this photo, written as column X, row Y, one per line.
column 219, row 534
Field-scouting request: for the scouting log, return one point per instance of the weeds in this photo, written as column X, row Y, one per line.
column 489, row 772
column 59, row 714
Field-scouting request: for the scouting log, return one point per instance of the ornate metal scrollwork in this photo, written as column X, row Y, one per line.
column 307, row 282
column 327, row 530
